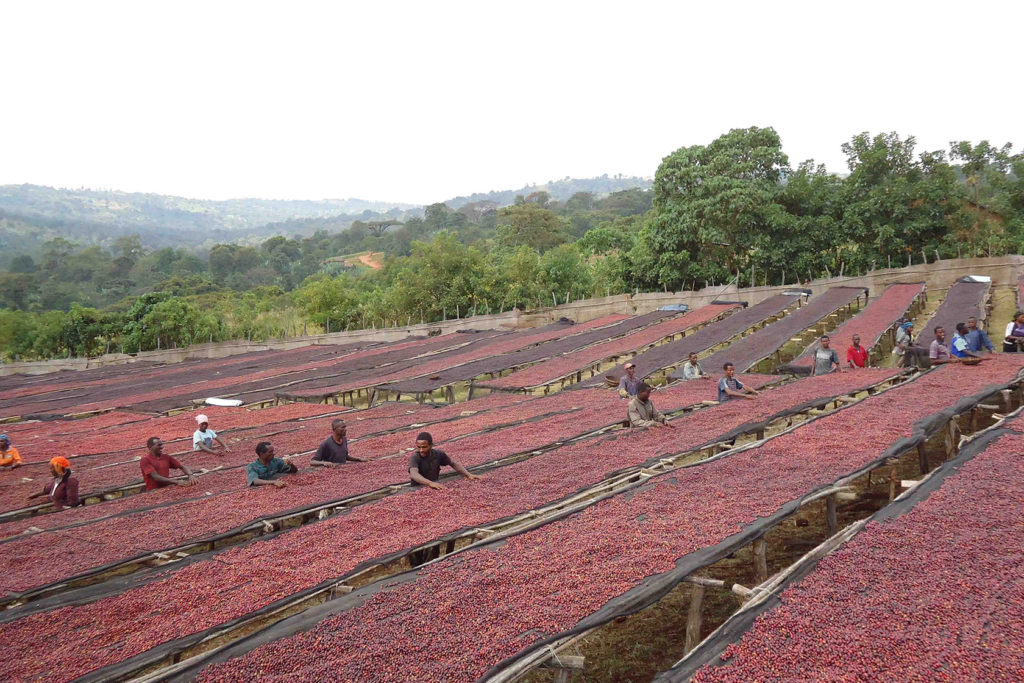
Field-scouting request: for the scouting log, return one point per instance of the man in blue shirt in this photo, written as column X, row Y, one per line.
column 629, row 382
column 729, row 387
column 976, row 337
column 267, row 467
column 958, row 347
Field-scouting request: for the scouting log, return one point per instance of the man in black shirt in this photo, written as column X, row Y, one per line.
column 425, row 464
column 334, row 451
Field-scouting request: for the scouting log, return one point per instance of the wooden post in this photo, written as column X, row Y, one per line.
column 760, row 548
column 831, row 518
column 894, row 480
column 922, row 459
column 1007, row 400
column 693, row 618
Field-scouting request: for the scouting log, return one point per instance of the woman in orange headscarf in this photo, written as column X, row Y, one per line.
column 63, row 490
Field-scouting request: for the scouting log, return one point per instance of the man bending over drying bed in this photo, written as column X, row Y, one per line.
column 266, row 468
column 729, row 387
column 425, row 464
column 642, row 412
column 156, row 467
column 334, row 451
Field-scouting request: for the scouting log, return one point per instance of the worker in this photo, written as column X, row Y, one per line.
column 938, row 352
column 729, row 387
column 156, row 467
column 977, row 339
column 9, row 456
column 425, row 464
column 826, row 360
column 1014, row 337
column 641, row 411
column 204, row 437
column 904, row 335
column 333, row 452
column 63, row 490
column 629, row 381
column 856, row 355
column 958, row 346
column 692, row 369
column 267, row 467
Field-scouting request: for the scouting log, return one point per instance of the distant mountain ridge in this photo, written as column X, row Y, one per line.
column 146, row 209
column 32, row 214
column 559, row 190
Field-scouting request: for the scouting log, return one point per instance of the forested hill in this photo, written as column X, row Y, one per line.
column 111, row 207
column 559, row 190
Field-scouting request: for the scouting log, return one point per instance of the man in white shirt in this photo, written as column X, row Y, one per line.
column 204, row 437
column 693, row 369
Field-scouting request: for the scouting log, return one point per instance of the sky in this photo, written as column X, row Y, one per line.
column 422, row 101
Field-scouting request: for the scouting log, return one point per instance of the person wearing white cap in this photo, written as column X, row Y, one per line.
column 204, row 437
column 629, row 382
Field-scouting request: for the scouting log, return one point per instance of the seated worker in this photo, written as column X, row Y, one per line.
column 977, row 339
column 729, row 387
column 203, row 438
column 266, row 467
column 938, row 352
column 826, row 360
column 958, row 347
column 334, row 451
column 693, row 369
column 904, row 336
column 629, row 382
column 425, row 464
column 9, row 456
column 642, row 412
column 63, row 490
column 856, row 355
column 156, row 467
column 1014, row 334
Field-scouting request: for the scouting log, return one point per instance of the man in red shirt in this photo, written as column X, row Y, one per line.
column 856, row 355
column 156, row 467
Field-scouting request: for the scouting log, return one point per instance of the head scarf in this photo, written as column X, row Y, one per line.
column 907, row 325
column 4, row 437
column 200, row 419
column 61, row 464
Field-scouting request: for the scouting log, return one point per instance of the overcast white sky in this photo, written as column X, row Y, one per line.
column 422, row 101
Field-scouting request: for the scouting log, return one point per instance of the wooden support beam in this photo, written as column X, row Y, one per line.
column 831, row 518
column 693, row 617
column 922, row 459
column 894, row 480
column 760, row 549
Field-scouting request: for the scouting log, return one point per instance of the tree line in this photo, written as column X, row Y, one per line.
column 733, row 210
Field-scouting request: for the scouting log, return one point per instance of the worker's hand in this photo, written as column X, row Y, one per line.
column 749, row 397
column 227, row 450
column 183, row 482
column 474, row 477
column 278, row 483
column 435, row 485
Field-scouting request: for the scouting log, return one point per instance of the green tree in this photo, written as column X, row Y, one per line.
column 530, row 225
column 709, row 204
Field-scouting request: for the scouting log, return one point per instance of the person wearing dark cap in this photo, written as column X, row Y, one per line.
column 426, row 463
column 629, row 382
column 63, row 490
